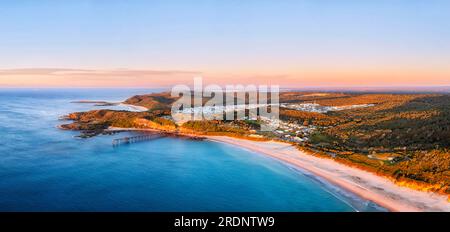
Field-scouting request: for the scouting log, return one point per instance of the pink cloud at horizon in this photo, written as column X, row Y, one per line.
column 52, row 77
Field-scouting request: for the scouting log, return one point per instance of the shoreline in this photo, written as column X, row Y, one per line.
column 107, row 103
column 364, row 184
column 138, row 108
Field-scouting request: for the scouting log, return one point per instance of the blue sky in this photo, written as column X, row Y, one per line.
column 277, row 37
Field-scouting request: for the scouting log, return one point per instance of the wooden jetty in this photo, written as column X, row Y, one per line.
column 135, row 139
column 151, row 136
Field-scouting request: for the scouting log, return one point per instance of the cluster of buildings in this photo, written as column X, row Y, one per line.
column 294, row 132
column 314, row 107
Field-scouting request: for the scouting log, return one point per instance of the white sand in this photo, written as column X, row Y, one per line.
column 135, row 107
column 365, row 184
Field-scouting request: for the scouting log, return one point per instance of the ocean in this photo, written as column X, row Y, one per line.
column 43, row 168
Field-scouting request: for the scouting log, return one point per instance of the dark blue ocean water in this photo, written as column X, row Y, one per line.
column 43, row 168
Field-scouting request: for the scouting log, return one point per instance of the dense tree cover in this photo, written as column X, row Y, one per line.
column 233, row 127
column 308, row 118
column 419, row 124
column 413, row 130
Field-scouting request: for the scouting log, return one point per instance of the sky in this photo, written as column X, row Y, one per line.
column 315, row 43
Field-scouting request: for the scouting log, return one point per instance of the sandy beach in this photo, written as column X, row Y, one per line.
column 134, row 107
column 366, row 185
column 106, row 103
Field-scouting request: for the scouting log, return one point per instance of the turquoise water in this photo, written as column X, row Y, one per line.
column 43, row 168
